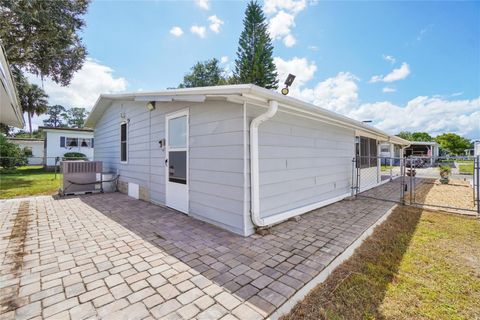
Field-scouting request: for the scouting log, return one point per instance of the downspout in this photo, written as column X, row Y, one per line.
column 254, row 166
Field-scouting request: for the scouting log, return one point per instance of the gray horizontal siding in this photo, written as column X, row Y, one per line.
column 216, row 155
column 301, row 162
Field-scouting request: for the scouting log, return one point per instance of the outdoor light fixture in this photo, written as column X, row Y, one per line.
column 151, row 106
column 288, row 83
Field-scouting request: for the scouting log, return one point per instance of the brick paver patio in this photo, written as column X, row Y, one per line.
column 112, row 257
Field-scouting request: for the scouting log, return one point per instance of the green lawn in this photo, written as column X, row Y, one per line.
column 465, row 166
column 385, row 168
column 419, row 264
column 27, row 181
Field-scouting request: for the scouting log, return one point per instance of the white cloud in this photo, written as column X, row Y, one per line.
column 431, row 114
column 396, row 74
column 224, row 59
column 280, row 25
column 295, row 6
column 388, row 90
column 313, row 48
column 203, row 4
column 176, row 31
column 289, row 40
column 198, row 30
column 87, row 84
column 389, row 58
column 282, row 20
column 215, row 23
column 300, row 67
column 340, row 93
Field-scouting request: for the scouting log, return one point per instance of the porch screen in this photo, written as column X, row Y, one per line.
column 368, row 153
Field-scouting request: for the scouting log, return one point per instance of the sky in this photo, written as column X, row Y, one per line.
column 411, row 66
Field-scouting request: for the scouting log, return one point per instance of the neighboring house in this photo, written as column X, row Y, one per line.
column 390, row 153
column 424, row 149
column 236, row 156
column 34, row 146
column 10, row 110
column 475, row 151
column 59, row 141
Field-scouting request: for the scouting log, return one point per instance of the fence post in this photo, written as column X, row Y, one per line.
column 391, row 169
column 402, row 187
column 354, row 182
column 476, row 171
column 411, row 180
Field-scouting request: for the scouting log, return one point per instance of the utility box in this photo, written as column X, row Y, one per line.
column 80, row 177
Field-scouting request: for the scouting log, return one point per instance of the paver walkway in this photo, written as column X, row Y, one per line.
column 112, row 257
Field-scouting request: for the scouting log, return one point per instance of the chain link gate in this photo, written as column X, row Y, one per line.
column 381, row 178
column 444, row 183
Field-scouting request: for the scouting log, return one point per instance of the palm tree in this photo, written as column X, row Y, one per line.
column 33, row 100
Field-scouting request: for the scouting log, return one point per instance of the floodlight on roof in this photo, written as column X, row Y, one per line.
column 288, row 83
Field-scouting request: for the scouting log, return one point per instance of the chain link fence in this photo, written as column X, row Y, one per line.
column 381, row 178
column 443, row 183
column 447, row 183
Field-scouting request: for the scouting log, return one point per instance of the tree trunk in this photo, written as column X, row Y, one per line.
column 30, row 123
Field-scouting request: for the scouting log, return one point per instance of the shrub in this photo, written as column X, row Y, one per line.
column 11, row 155
column 28, row 151
column 74, row 156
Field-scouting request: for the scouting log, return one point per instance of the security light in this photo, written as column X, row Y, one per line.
column 151, row 106
column 288, row 83
column 289, row 80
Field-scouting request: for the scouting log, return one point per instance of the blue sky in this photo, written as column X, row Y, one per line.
column 369, row 60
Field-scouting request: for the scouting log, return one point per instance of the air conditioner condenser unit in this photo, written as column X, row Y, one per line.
column 81, row 177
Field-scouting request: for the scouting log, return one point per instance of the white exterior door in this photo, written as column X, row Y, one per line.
column 176, row 160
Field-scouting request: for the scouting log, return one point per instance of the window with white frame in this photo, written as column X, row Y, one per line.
column 69, row 142
column 123, row 142
column 72, row 142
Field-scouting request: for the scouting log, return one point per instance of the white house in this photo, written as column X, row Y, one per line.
column 239, row 156
column 59, row 141
column 10, row 110
column 35, row 146
column 476, row 148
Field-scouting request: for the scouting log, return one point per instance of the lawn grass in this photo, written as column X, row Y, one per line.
column 419, row 264
column 28, row 181
column 385, row 167
column 465, row 166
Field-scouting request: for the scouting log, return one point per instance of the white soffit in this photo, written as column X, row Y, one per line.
column 184, row 98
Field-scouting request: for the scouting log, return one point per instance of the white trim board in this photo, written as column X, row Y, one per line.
column 323, row 275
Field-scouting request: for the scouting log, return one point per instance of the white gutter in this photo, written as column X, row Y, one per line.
column 254, row 167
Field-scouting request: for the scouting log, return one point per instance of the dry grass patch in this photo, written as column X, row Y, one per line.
column 417, row 265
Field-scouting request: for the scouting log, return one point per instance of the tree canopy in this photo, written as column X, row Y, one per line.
column 203, row 74
column 415, row 136
column 76, row 117
column 33, row 101
column 254, row 63
column 56, row 116
column 453, row 143
column 41, row 37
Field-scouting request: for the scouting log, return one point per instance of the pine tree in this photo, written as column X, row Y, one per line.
column 254, row 63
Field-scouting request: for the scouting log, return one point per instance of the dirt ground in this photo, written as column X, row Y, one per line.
column 456, row 194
